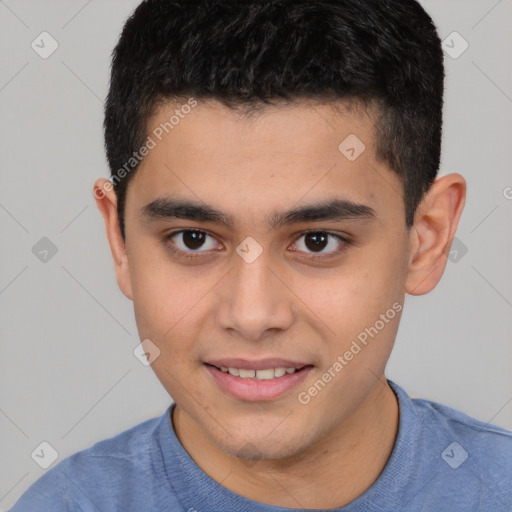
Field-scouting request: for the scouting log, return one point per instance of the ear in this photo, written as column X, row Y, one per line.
column 106, row 201
column 432, row 234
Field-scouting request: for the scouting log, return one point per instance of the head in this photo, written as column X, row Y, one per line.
column 274, row 198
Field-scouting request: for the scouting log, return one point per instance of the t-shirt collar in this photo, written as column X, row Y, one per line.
column 197, row 491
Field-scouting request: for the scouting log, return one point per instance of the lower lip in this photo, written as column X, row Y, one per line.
column 254, row 390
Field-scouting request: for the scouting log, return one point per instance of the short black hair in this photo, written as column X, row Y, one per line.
column 249, row 53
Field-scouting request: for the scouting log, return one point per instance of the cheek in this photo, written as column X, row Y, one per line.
column 382, row 274
column 166, row 308
column 354, row 297
column 170, row 303
column 160, row 294
column 349, row 305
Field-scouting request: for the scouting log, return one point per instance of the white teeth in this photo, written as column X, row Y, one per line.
column 266, row 374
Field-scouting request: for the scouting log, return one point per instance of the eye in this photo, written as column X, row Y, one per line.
column 190, row 241
column 317, row 241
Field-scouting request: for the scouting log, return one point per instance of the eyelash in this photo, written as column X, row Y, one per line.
column 345, row 243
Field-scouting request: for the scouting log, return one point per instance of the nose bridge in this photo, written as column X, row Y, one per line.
column 252, row 279
column 255, row 300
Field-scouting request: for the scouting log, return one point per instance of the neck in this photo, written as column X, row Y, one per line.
column 330, row 473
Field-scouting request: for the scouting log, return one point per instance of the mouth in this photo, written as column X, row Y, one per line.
column 258, row 380
column 264, row 374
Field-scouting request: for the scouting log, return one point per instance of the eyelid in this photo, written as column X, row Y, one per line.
column 344, row 239
column 187, row 254
column 345, row 242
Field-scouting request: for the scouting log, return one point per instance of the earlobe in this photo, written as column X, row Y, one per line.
column 432, row 234
column 106, row 201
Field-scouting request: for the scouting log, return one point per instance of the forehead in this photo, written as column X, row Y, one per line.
column 265, row 159
column 307, row 127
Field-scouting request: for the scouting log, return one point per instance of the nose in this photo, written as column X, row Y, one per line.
column 255, row 301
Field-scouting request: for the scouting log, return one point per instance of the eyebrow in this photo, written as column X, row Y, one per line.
column 335, row 209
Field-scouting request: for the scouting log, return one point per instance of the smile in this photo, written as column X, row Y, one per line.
column 270, row 373
column 268, row 382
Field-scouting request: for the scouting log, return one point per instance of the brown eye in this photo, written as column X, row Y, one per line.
column 316, row 241
column 190, row 242
column 193, row 239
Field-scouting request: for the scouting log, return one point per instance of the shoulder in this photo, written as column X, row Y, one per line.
column 484, row 439
column 463, row 458
column 130, row 449
column 444, row 422
column 96, row 476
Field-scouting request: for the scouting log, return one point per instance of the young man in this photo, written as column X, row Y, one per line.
column 275, row 197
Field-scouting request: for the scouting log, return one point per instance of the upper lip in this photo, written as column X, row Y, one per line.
column 260, row 364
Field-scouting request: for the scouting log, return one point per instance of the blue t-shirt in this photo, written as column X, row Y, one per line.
column 442, row 461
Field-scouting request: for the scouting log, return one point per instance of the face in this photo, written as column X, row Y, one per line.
column 262, row 277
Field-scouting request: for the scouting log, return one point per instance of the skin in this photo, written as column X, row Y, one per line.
column 325, row 453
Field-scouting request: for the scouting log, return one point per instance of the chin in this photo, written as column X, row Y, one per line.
column 255, row 446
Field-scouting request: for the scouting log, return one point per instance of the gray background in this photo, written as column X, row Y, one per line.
column 67, row 372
